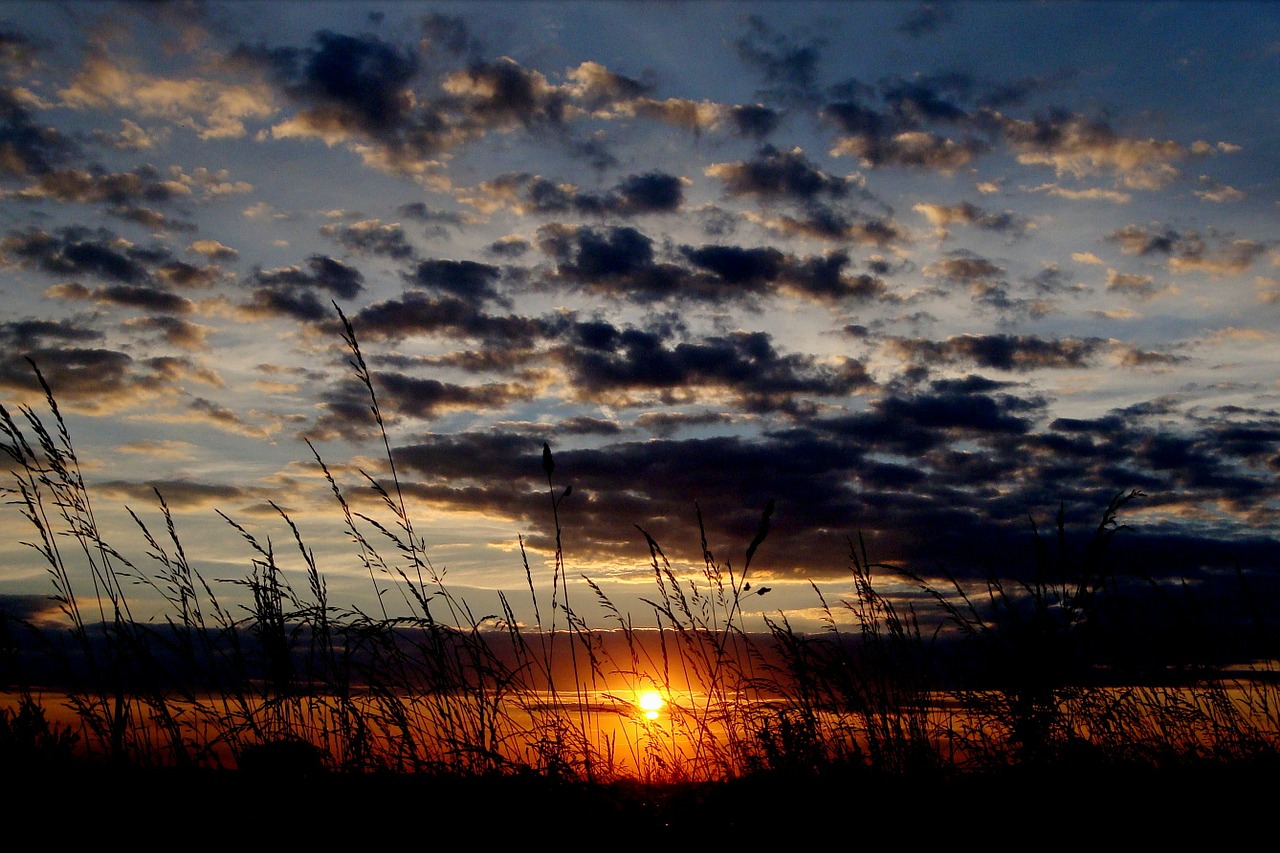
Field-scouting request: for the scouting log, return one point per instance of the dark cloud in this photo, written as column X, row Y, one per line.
column 503, row 93
column 917, row 149
column 356, row 82
column 965, row 213
column 615, row 365
column 965, row 268
column 420, row 313
column 152, row 219
column 613, row 260
column 23, row 335
column 823, row 278
column 185, row 275
column 429, row 398
column 469, row 281
column 777, row 174
column 652, row 192
column 1186, row 250
column 346, row 414
column 1136, row 240
column 127, row 296
column 754, row 121
column 450, row 34
column 740, row 272
column 944, row 476
column 920, row 101
column 371, row 237
column 438, row 221
column 667, row 424
column 509, row 247
column 28, row 149
column 173, row 330
column 789, row 69
column 75, row 374
column 1133, row 357
column 293, row 291
column 180, row 494
column 927, row 18
column 94, row 185
column 820, row 222
column 738, row 267
column 77, row 251
column 1080, row 146
column 1003, row 352
column 320, row 273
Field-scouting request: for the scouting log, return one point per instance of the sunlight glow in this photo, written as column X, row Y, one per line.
column 650, row 702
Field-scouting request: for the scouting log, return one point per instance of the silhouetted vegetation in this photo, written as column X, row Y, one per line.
column 1038, row 669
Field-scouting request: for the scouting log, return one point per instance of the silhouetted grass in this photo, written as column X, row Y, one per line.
column 1029, row 674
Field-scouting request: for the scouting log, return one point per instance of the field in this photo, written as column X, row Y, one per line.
column 1046, row 696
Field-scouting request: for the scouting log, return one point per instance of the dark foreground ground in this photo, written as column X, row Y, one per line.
column 1057, row 808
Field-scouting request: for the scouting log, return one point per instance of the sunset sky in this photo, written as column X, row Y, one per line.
column 917, row 271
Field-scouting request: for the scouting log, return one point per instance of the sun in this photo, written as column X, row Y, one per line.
column 650, row 702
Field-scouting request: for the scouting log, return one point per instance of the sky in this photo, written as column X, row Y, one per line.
column 919, row 273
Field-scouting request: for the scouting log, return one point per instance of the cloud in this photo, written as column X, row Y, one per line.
column 321, row 272
column 964, row 213
column 1218, row 193
column 372, row 237
column 1188, row 251
column 912, row 149
column 449, row 33
column 667, row 424
column 419, row 313
column 819, row 222
column 1136, row 358
column 77, row 251
column 926, row 19
column 1092, row 194
column 1142, row 286
column 966, row 268
column 1077, row 146
column 1232, row 259
column 504, row 94
column 216, row 109
column 1018, row 353
column 28, row 149
column 131, row 137
column 649, row 193
column 470, row 281
column 777, row 174
column 291, row 291
column 32, row 333
column 430, row 398
column 738, row 273
column 438, row 221
column 627, row 367
column 126, row 296
column 213, row 250
column 599, row 89
column 754, row 121
column 346, row 413
column 1136, row 240
column 789, row 69
column 174, row 331
column 614, row 260
column 179, row 494
column 350, row 83
column 77, row 185
column 91, row 380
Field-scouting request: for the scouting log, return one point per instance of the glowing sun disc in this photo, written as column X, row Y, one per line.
column 650, row 701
